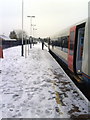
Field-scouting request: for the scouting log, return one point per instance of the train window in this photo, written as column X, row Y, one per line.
column 80, row 42
column 66, row 42
column 71, row 42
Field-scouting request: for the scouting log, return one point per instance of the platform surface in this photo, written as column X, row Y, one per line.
column 37, row 87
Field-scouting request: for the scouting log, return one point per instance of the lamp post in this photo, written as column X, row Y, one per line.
column 34, row 35
column 31, row 24
column 22, row 31
column 34, row 30
column 30, row 30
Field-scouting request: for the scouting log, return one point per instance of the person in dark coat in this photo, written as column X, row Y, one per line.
column 42, row 45
column 49, row 43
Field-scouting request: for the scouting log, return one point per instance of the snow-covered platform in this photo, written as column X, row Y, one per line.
column 37, row 87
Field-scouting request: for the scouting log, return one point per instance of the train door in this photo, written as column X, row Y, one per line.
column 79, row 53
column 71, row 48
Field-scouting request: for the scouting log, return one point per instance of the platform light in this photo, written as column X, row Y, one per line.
column 31, row 24
column 30, row 29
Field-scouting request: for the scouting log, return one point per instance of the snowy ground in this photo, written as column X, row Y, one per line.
column 37, row 87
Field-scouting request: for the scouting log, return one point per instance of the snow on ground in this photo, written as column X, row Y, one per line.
column 37, row 87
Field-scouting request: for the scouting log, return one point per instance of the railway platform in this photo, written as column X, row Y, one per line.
column 37, row 87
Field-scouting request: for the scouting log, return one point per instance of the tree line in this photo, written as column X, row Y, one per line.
column 17, row 34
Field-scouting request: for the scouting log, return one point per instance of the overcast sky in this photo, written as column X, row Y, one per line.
column 51, row 16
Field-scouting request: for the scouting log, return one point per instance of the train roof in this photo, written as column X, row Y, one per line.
column 65, row 32
column 78, row 23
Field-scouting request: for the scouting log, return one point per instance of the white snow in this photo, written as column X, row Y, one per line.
column 37, row 87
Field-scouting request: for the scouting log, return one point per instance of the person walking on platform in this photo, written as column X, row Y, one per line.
column 48, row 43
column 30, row 40
column 42, row 45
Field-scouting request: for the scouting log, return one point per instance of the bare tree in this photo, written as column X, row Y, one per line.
column 17, row 34
column 13, row 35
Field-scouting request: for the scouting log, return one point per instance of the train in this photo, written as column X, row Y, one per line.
column 72, row 47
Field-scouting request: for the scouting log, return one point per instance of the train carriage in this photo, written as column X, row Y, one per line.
column 72, row 47
column 86, row 53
